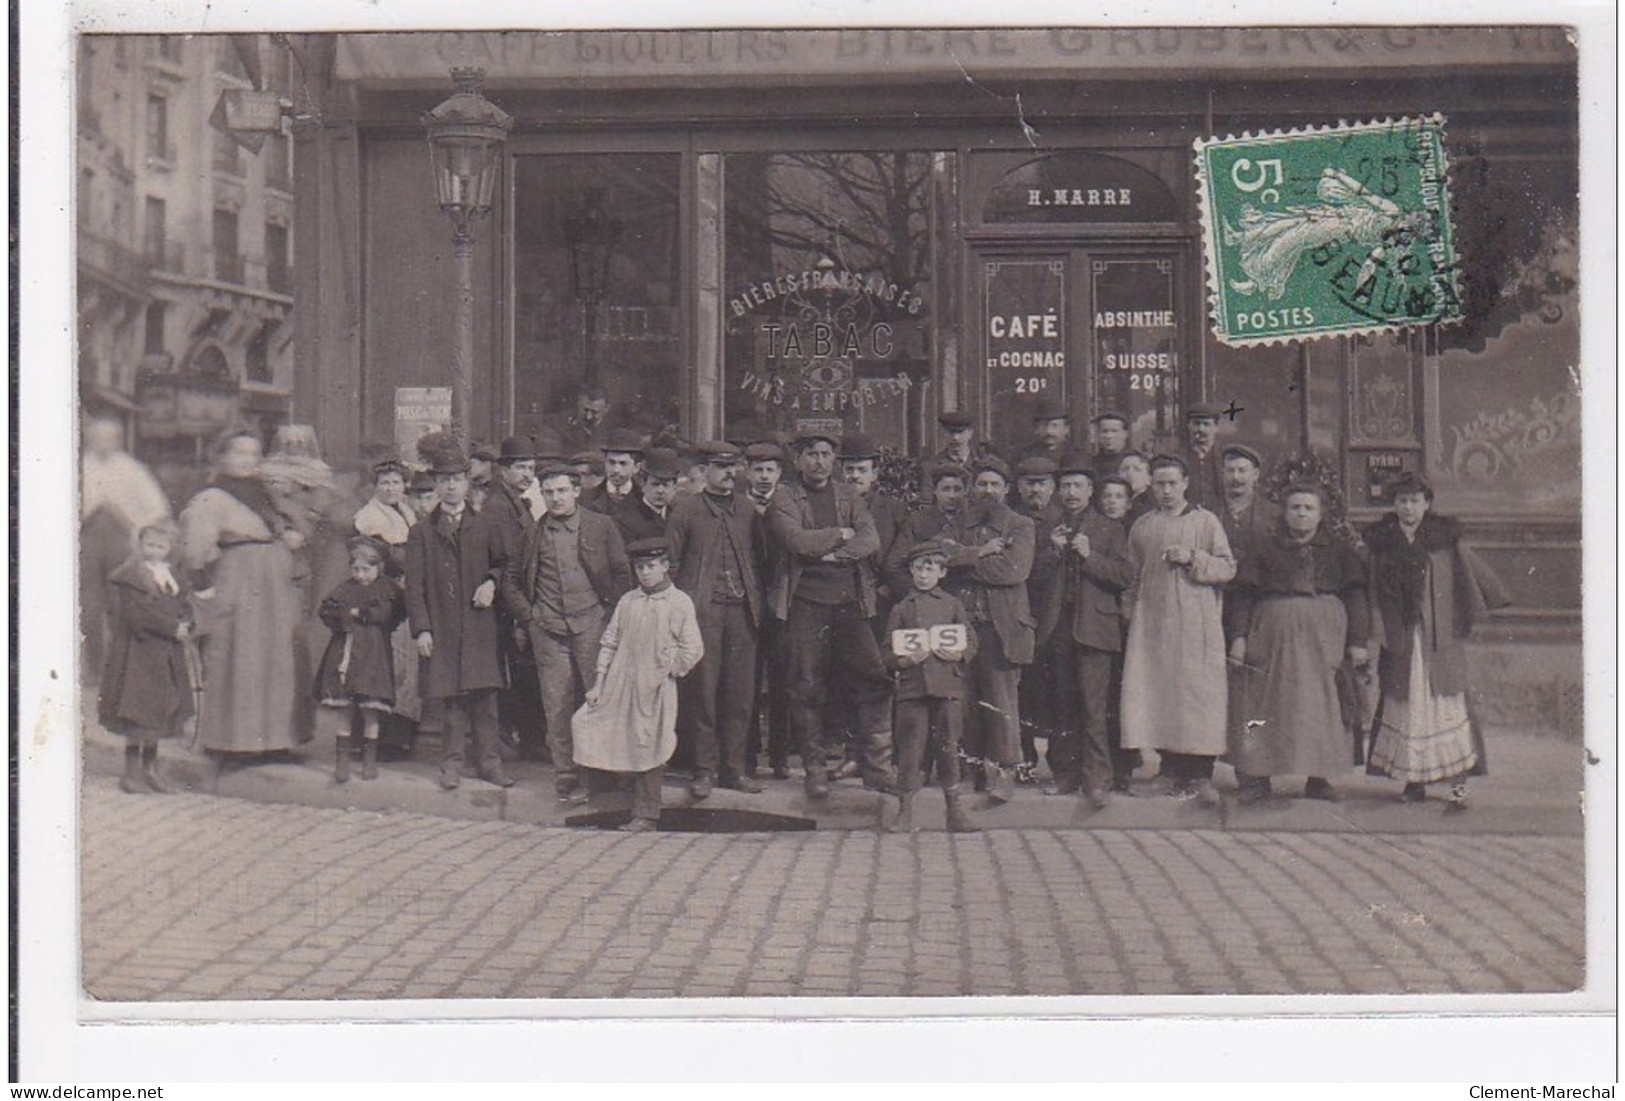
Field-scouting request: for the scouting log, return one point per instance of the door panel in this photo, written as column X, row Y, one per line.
column 1090, row 328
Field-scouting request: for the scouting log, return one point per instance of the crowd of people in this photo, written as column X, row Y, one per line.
column 615, row 606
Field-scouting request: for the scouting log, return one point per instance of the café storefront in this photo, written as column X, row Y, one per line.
column 756, row 231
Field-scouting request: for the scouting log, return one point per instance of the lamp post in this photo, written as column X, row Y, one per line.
column 591, row 238
column 466, row 136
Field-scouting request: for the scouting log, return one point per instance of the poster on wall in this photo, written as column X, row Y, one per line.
column 419, row 410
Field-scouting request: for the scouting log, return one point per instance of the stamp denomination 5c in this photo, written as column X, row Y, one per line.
column 1330, row 231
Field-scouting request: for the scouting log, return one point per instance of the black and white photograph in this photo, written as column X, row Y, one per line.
column 845, row 517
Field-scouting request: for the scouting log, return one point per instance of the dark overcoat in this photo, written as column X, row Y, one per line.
column 144, row 680
column 1001, row 577
column 1435, row 583
column 603, row 558
column 1097, row 617
column 636, row 520
column 891, row 516
column 442, row 571
column 511, row 516
column 365, row 615
column 692, row 536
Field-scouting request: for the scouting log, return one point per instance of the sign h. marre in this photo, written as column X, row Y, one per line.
column 1333, row 231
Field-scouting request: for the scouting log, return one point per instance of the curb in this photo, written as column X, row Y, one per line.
column 1537, row 790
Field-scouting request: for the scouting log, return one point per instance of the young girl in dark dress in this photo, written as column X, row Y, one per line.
column 357, row 669
column 146, row 693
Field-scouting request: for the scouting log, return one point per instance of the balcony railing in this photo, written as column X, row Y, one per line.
column 228, row 267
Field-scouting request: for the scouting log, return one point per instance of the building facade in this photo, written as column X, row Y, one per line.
column 748, row 231
column 185, row 263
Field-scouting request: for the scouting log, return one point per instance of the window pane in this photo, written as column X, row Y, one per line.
column 1262, row 382
column 596, row 280
column 827, row 293
column 158, row 128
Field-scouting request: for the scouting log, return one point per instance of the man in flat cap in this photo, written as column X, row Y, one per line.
column 1202, row 455
column 562, row 587
column 1247, row 514
column 1035, row 489
column 1035, row 499
column 1084, row 555
column 988, row 571
column 860, row 463
column 712, row 535
column 962, row 447
column 453, row 563
column 825, row 594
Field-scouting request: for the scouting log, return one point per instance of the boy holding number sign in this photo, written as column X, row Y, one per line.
column 930, row 642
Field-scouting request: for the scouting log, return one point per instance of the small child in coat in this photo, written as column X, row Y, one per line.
column 357, row 671
column 930, row 673
column 629, row 723
column 146, row 691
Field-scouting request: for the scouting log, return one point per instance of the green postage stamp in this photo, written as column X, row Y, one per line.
column 1329, row 231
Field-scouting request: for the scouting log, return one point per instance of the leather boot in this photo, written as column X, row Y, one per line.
column 959, row 820
column 817, row 784
column 149, row 770
column 369, row 759
column 1000, row 785
column 341, row 759
column 132, row 781
column 905, row 813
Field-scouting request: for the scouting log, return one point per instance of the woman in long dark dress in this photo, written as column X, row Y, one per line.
column 239, row 549
column 1299, row 605
column 1429, row 590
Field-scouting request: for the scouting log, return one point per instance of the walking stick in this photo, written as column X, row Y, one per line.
column 1371, row 736
column 194, row 676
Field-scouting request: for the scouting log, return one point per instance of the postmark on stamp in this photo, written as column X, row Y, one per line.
column 1330, row 231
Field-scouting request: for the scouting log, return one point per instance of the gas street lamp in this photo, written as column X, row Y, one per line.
column 466, row 133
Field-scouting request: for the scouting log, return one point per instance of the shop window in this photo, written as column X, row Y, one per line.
column 827, row 294
column 1261, row 384
column 596, row 277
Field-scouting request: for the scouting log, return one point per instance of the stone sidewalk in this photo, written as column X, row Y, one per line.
column 1535, row 786
column 189, row 897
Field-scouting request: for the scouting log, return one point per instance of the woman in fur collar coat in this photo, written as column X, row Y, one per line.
column 1429, row 591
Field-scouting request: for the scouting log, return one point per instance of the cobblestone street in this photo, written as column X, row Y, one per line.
column 196, row 897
